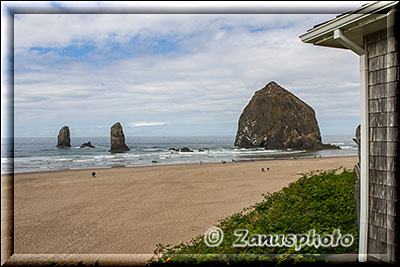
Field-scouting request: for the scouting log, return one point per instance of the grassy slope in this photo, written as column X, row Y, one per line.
column 322, row 201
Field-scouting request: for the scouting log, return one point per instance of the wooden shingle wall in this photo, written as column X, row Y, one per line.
column 383, row 86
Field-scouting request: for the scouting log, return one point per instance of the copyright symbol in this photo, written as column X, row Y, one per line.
column 213, row 237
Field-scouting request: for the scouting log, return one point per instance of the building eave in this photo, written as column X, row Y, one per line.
column 367, row 19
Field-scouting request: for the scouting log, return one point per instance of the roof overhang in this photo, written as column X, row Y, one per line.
column 369, row 18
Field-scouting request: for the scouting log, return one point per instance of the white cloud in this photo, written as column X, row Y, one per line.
column 215, row 70
column 141, row 124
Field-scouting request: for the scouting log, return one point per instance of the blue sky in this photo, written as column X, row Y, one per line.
column 162, row 75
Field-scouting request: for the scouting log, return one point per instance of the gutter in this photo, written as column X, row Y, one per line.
column 345, row 20
column 364, row 141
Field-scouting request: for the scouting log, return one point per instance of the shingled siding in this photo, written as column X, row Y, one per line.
column 383, row 85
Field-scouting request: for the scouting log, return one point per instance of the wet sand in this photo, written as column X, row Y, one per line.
column 130, row 210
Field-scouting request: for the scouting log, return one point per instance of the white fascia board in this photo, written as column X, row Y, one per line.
column 314, row 34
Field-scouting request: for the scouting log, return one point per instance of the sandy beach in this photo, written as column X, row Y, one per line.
column 130, row 210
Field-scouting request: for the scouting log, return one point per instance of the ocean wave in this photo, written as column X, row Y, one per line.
column 83, row 160
column 62, row 159
column 5, row 160
column 153, row 149
column 104, row 157
column 348, row 147
column 45, row 156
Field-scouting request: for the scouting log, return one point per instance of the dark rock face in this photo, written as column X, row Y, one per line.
column 276, row 119
column 186, row 149
column 88, row 144
column 118, row 139
column 64, row 138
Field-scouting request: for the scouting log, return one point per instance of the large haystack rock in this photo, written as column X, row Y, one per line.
column 64, row 138
column 277, row 119
column 118, row 139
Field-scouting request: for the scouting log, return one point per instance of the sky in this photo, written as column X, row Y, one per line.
column 170, row 74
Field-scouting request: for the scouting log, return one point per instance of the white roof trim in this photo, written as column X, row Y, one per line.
column 313, row 35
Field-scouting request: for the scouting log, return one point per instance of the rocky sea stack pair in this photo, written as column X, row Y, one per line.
column 276, row 119
column 117, row 139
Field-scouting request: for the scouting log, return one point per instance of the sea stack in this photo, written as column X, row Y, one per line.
column 118, row 139
column 276, row 119
column 64, row 138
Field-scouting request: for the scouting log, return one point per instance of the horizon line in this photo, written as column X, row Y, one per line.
column 347, row 134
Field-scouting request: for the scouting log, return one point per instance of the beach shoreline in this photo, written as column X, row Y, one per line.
column 132, row 209
column 284, row 158
column 37, row 155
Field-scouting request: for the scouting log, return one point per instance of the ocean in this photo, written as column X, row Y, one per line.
column 41, row 154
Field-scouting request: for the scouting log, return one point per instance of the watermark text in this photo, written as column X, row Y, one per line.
column 215, row 235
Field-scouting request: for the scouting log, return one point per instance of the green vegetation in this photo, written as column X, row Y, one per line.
column 321, row 200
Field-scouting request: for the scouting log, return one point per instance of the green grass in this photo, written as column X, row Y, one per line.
column 323, row 201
